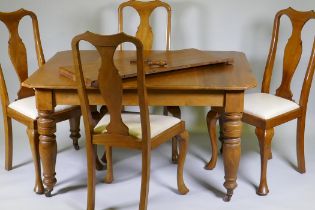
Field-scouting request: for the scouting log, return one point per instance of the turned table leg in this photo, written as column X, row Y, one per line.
column 232, row 127
column 47, row 149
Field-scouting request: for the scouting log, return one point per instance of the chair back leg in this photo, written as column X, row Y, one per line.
column 212, row 118
column 34, row 144
column 91, row 166
column 75, row 130
column 300, row 143
column 109, row 171
column 145, row 178
column 8, row 142
column 183, row 147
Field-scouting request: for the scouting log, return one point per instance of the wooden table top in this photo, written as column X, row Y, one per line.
column 237, row 76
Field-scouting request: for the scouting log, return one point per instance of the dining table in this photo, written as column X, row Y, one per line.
column 215, row 85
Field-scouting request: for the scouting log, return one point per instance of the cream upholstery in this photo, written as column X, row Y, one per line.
column 158, row 123
column 27, row 107
column 267, row 106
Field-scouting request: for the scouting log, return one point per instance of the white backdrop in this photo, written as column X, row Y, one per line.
column 243, row 25
column 237, row 25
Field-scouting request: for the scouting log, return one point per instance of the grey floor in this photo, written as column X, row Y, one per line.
column 288, row 189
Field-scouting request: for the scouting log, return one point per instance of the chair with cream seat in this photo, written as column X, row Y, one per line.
column 145, row 34
column 265, row 110
column 23, row 109
column 139, row 131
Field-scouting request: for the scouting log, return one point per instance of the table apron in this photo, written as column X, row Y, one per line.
column 155, row 97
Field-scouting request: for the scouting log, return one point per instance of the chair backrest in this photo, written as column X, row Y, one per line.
column 145, row 9
column 110, row 83
column 292, row 55
column 16, row 47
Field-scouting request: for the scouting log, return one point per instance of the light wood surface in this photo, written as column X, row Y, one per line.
column 125, row 63
column 117, row 135
column 214, row 85
column 291, row 59
column 203, row 78
column 18, row 57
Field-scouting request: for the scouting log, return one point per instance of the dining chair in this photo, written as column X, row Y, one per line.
column 23, row 109
column 265, row 110
column 145, row 34
column 140, row 131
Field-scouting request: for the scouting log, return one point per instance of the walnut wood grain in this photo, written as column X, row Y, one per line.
column 75, row 131
column 291, row 59
column 231, row 130
column 176, row 60
column 145, row 34
column 17, row 50
column 34, row 143
column 264, row 138
column 213, row 77
column 47, row 148
column 199, row 86
column 232, row 126
column 292, row 52
column 212, row 118
column 110, row 86
column 144, row 10
column 183, row 148
column 175, row 111
column 18, row 58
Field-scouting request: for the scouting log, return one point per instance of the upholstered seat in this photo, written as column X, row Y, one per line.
column 27, row 107
column 158, row 123
column 267, row 106
column 117, row 128
column 266, row 111
column 23, row 109
column 147, row 36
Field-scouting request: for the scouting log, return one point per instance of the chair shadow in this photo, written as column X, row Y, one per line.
column 111, row 208
column 135, row 204
column 71, row 188
column 63, row 149
column 80, row 186
column 249, row 145
column 245, row 178
column 205, row 184
column 286, row 159
column 22, row 164
column 167, row 186
column 68, row 189
column 118, row 154
column 202, row 146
